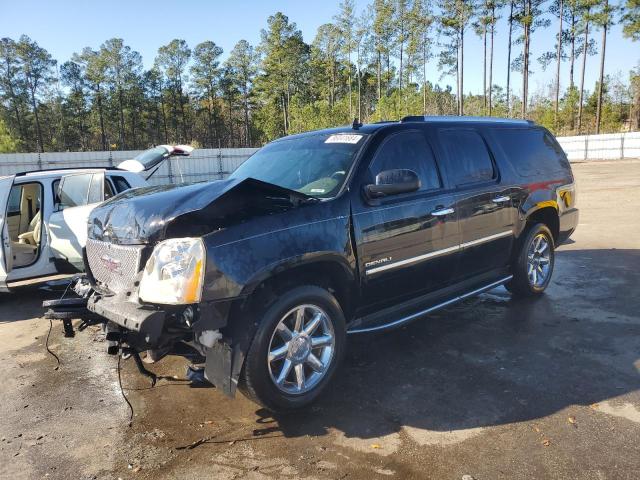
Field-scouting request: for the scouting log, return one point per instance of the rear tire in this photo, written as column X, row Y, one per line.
column 533, row 267
column 299, row 343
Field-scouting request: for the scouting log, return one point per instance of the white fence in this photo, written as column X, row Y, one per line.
column 202, row 165
column 214, row 163
column 611, row 146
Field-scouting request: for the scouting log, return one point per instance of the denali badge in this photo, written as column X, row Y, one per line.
column 111, row 264
column 378, row 262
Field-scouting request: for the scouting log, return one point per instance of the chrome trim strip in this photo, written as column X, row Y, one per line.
column 437, row 253
column 407, row 261
column 413, row 316
column 486, row 239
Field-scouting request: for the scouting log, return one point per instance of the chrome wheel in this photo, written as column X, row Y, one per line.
column 539, row 261
column 301, row 349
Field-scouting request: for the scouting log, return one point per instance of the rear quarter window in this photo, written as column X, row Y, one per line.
column 531, row 151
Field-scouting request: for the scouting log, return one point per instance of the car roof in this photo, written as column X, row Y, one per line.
column 449, row 120
column 57, row 172
column 463, row 120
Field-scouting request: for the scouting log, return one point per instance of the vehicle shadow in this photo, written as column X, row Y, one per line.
column 491, row 360
column 25, row 303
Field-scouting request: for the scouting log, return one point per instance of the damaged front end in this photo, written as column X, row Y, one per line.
column 146, row 268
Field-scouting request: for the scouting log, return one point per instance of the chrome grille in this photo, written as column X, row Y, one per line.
column 114, row 266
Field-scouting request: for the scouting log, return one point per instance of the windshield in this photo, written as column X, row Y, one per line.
column 315, row 165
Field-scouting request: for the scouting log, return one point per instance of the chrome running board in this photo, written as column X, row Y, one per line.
column 413, row 316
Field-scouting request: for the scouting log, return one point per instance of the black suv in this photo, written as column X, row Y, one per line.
column 328, row 233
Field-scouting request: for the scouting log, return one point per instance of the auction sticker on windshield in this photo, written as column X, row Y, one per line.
column 343, row 139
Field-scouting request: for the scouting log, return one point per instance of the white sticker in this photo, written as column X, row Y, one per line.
column 343, row 138
column 317, row 190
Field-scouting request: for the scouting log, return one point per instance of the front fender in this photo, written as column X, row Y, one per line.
column 241, row 257
column 310, row 259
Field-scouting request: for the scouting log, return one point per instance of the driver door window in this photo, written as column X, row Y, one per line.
column 408, row 150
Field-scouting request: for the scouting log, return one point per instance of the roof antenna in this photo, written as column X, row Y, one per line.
column 356, row 124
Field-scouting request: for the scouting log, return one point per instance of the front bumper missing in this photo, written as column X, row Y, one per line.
column 147, row 322
column 223, row 362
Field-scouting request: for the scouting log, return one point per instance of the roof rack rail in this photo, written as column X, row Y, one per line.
column 54, row 169
column 458, row 118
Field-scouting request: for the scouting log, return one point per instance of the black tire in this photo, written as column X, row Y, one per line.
column 521, row 285
column 256, row 381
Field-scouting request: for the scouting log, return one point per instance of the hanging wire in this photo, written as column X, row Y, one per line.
column 122, row 391
column 47, row 345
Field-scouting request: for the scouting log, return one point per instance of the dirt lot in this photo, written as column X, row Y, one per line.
column 488, row 389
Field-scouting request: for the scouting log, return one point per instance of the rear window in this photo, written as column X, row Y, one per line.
column 531, row 151
column 468, row 160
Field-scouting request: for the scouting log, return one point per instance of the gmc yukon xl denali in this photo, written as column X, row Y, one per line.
column 323, row 234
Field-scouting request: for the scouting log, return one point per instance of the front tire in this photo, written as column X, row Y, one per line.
column 533, row 267
column 297, row 348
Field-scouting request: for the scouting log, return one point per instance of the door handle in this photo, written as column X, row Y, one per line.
column 442, row 212
column 502, row 199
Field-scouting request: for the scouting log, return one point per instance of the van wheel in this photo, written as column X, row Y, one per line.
column 297, row 348
column 533, row 266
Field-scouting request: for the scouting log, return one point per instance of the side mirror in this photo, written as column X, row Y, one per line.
column 393, row 182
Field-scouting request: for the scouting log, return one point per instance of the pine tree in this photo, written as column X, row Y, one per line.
column 421, row 21
column 631, row 19
column 243, row 66
column 604, row 19
column 172, row 61
column 37, row 70
column 511, row 20
column 8, row 144
column 586, row 17
column 122, row 67
column 454, row 19
column 205, row 80
column 345, row 21
column 529, row 17
column 383, row 33
column 284, row 56
column 12, row 87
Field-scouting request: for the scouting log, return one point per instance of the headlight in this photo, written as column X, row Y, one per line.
column 174, row 273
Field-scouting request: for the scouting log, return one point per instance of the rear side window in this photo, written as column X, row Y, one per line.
column 468, row 159
column 531, row 151
column 120, row 183
column 75, row 190
column 408, row 150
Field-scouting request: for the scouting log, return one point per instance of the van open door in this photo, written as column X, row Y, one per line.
column 78, row 194
column 6, row 258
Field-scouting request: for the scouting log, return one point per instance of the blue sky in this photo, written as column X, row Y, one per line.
column 65, row 26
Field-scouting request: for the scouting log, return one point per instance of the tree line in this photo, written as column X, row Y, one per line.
column 371, row 65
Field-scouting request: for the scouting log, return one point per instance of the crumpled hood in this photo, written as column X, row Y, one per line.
column 148, row 214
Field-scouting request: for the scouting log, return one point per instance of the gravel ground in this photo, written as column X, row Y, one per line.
column 488, row 389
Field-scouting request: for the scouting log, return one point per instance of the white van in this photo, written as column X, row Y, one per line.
column 43, row 214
